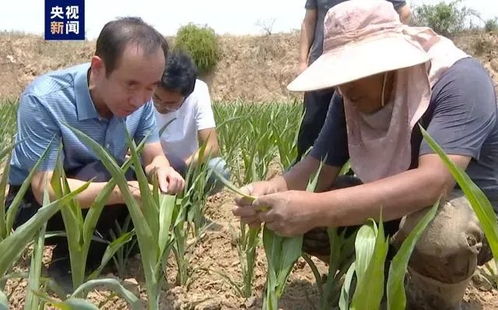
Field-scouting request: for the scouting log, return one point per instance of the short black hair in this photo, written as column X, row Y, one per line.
column 117, row 34
column 180, row 73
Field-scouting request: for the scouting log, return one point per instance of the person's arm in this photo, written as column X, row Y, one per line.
column 209, row 138
column 296, row 212
column 306, row 38
column 464, row 117
column 38, row 131
column 394, row 196
column 330, row 148
column 204, row 122
column 41, row 181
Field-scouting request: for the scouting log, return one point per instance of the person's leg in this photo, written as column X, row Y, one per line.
column 445, row 257
column 219, row 166
column 316, row 241
column 316, row 105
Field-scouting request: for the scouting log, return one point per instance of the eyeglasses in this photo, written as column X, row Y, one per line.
column 167, row 106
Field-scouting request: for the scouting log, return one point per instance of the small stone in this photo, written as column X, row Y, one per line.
column 250, row 302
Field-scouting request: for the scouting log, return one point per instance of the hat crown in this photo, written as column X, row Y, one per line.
column 355, row 19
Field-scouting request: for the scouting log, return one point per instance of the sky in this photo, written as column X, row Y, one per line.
column 224, row 16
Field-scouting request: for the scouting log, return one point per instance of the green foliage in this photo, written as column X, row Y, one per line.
column 444, row 18
column 396, row 298
column 152, row 217
column 201, row 43
column 8, row 108
column 491, row 25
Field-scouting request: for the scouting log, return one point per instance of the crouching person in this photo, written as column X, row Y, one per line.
column 186, row 122
column 104, row 99
column 417, row 77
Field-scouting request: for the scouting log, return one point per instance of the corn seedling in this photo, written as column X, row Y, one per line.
column 367, row 271
column 80, row 228
column 247, row 245
column 122, row 253
column 396, row 298
column 32, row 300
column 152, row 218
column 281, row 254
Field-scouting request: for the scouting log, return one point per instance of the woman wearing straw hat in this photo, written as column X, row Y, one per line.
column 391, row 77
column 316, row 103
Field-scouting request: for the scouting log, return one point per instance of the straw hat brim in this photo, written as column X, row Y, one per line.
column 360, row 59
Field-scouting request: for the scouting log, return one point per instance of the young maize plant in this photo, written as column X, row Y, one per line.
column 8, row 109
column 281, row 254
column 152, row 218
column 371, row 248
column 196, row 192
column 80, row 228
column 478, row 200
column 32, row 300
column 253, row 141
column 247, row 244
column 13, row 243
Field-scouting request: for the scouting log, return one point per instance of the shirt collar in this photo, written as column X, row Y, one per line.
column 85, row 109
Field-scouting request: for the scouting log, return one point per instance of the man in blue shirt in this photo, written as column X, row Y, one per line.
column 103, row 99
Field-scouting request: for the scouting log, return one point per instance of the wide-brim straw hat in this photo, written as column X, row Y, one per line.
column 361, row 38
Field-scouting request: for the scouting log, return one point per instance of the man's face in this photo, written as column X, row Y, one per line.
column 366, row 94
column 166, row 100
column 132, row 83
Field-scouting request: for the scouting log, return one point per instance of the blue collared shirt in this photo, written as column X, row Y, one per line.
column 62, row 97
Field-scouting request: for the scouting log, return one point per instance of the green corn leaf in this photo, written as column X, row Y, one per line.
column 79, row 304
column 14, row 206
column 478, row 200
column 111, row 249
column 370, row 287
column 147, row 241
column 396, row 298
column 4, row 303
column 12, row 246
column 149, row 207
column 281, row 254
column 233, row 188
column 99, row 203
column 112, row 284
column 32, row 300
column 69, row 304
column 3, row 186
column 73, row 223
column 345, row 291
column 365, row 247
column 166, row 209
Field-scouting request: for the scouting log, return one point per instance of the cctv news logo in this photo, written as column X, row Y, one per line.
column 64, row 19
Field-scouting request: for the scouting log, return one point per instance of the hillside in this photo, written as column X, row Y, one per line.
column 252, row 68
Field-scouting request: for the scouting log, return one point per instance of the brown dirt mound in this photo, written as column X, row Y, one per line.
column 252, row 68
